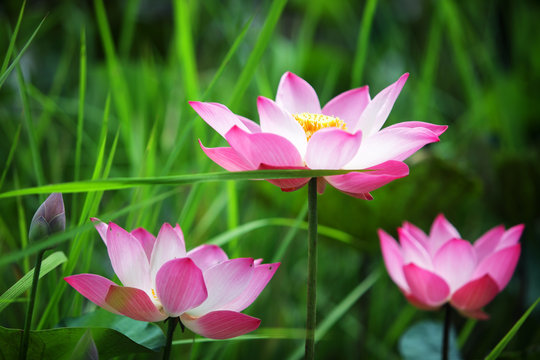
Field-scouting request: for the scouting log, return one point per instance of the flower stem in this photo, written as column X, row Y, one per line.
column 23, row 350
column 312, row 269
column 172, row 322
column 446, row 333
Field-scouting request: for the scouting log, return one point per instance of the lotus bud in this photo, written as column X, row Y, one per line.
column 49, row 218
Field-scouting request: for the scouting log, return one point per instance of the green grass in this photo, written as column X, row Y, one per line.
column 93, row 103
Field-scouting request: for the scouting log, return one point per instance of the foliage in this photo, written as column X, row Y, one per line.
column 112, row 79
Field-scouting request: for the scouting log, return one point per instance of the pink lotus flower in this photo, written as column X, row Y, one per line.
column 442, row 267
column 160, row 280
column 295, row 133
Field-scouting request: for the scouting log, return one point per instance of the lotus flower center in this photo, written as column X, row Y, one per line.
column 312, row 123
column 154, row 294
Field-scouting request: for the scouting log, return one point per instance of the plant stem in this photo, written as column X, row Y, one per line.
column 23, row 350
column 312, row 269
column 446, row 333
column 172, row 322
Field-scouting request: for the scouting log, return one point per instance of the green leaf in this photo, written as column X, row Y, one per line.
column 126, row 183
column 143, row 333
column 506, row 339
column 59, row 344
column 6, row 73
column 424, row 340
column 51, row 262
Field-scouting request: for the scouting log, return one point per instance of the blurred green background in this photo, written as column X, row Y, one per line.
column 473, row 65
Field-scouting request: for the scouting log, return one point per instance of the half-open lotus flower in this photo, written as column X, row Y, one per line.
column 296, row 133
column 442, row 267
column 203, row 287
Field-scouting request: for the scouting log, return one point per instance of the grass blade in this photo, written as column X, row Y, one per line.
column 13, row 39
column 50, row 263
column 173, row 180
column 80, row 114
column 10, row 155
column 506, row 339
column 120, row 91
column 260, row 46
column 10, row 68
column 227, row 58
column 28, row 123
column 363, row 41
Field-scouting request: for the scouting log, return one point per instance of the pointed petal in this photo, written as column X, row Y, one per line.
column 101, row 227
column 146, row 239
column 180, row 286
column 441, row 232
column 261, row 276
column 475, row 294
column 419, row 304
column 169, row 245
column 364, row 182
column 348, row 106
column 277, row 121
column 227, row 158
column 377, row 111
column 251, row 125
column 500, row 265
column 486, row 244
column 128, row 258
column 475, row 314
column 511, row 236
column 286, row 184
column 455, row 262
column 332, row 148
column 436, row 129
column 416, row 233
column 225, row 282
column 93, row 287
column 133, row 303
column 413, row 251
column 264, row 148
column 393, row 260
column 427, row 287
column 390, row 144
column 296, row 96
column 217, row 116
column 221, row 324
column 321, row 184
column 205, row 256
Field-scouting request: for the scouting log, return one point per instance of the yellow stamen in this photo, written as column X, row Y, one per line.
column 312, row 123
column 154, row 294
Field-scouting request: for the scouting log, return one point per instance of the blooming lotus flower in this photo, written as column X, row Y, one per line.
column 442, row 267
column 203, row 287
column 296, row 133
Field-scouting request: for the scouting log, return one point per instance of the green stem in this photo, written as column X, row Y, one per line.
column 312, row 269
column 172, row 322
column 23, row 350
column 446, row 333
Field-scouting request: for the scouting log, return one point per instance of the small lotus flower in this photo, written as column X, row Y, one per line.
column 49, row 218
column 295, row 133
column 442, row 267
column 203, row 287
